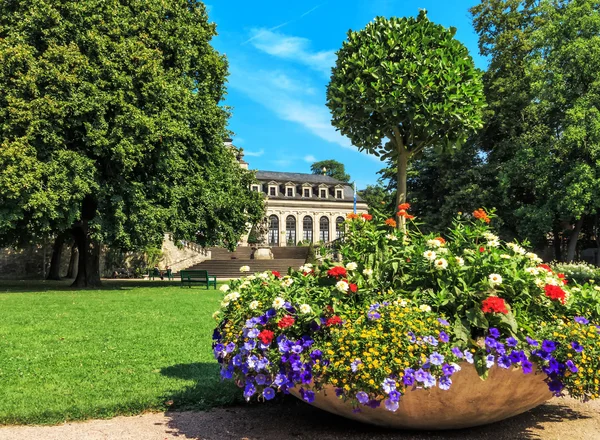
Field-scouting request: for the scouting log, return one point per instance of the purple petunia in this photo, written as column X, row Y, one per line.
column 429, row 380
column 249, row 390
column 443, row 337
column 253, row 333
column 339, row 392
column 260, row 379
column 553, row 366
column 555, row 386
column 409, row 377
column 268, row 393
column 373, row 316
column 309, row 396
column 527, row 366
column 395, row 395
column 420, row 375
column 517, row 356
column 581, row 320
column 489, row 361
column 456, row 352
column 391, row 405
column 445, row 383
column 431, row 340
column 316, row 354
column 577, row 346
column 571, row 366
column 362, row 397
column 468, row 356
column 448, row 370
column 494, row 332
column 532, row 342
column 504, row 362
column 443, row 322
column 230, row 347
column 436, row 358
column 511, row 342
column 354, row 365
column 548, row 346
column 388, row 385
column 412, row 337
column 490, row 342
column 250, row 345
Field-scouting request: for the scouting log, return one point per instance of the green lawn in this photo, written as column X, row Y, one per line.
column 131, row 346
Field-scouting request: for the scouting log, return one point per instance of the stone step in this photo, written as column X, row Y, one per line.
column 231, row 268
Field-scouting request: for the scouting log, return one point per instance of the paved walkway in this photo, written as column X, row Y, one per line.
column 560, row 419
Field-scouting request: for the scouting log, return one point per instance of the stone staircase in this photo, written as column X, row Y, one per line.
column 225, row 265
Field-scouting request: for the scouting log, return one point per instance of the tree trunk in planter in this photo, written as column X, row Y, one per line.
column 88, row 271
column 73, row 262
column 57, row 249
column 572, row 246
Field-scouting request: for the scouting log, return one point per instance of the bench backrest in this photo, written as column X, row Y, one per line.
column 194, row 274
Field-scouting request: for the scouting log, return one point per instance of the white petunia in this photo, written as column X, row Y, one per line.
column 367, row 272
column 351, row 266
column 532, row 271
column 424, row 308
column 342, row 286
column 245, row 269
column 305, row 309
column 441, row 264
column 459, row 261
column 254, row 305
column 495, row 279
column 430, row 255
column 287, row 282
column 224, row 288
column 278, row 302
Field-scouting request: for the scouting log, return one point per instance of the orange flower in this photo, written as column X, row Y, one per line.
column 391, row 222
column 351, row 216
column 404, row 206
column 367, row 216
column 441, row 240
column 409, row 217
column 481, row 215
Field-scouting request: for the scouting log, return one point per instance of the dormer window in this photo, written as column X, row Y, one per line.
column 255, row 188
column 339, row 194
column 306, row 192
column 290, row 189
column 273, row 191
column 323, row 193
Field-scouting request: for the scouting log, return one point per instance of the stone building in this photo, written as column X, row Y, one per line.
column 305, row 207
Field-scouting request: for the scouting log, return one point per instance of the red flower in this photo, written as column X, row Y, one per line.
column 353, row 288
column 493, row 304
column 334, row 320
column 545, row 267
column 266, row 336
column 555, row 292
column 441, row 240
column 329, row 309
column 337, row 271
column 276, row 274
column 404, row 206
column 367, row 216
column 286, row 321
column 481, row 249
column 481, row 215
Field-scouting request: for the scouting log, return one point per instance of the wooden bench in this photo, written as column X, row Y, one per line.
column 189, row 277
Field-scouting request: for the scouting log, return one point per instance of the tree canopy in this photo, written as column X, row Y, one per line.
column 333, row 168
column 402, row 85
column 112, row 127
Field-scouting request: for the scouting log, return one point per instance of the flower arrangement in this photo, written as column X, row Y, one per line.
column 408, row 310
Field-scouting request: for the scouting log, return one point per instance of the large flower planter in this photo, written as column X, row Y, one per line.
column 469, row 402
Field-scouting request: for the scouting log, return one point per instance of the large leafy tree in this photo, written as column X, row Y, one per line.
column 332, row 167
column 112, row 127
column 403, row 85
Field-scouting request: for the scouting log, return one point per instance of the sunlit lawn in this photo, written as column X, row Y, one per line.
column 71, row 354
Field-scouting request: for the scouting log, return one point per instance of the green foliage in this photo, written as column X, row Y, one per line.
column 118, row 105
column 579, row 272
column 377, row 197
column 333, row 168
column 112, row 351
column 311, row 258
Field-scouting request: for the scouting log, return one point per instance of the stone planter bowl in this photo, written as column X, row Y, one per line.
column 469, row 402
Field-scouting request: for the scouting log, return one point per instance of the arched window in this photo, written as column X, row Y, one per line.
column 324, row 229
column 307, row 229
column 273, row 230
column 339, row 227
column 290, row 230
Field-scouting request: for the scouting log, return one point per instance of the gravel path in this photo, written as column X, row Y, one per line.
column 560, row 419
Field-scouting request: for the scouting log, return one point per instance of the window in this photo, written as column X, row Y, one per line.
column 306, row 192
column 307, row 229
column 339, row 194
column 339, row 227
column 324, row 229
column 273, row 230
column 290, row 191
column 255, row 188
column 323, row 193
column 273, row 191
column 290, row 230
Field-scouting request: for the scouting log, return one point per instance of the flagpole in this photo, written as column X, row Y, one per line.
column 355, row 197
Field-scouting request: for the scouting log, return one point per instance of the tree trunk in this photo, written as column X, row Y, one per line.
column 88, row 270
column 57, row 249
column 401, row 177
column 572, row 246
column 557, row 243
column 597, row 237
column 72, row 272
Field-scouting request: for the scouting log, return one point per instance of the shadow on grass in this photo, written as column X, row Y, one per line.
column 288, row 418
column 7, row 286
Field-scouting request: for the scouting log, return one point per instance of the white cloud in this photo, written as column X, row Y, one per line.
column 292, row 48
column 310, row 158
column 254, row 153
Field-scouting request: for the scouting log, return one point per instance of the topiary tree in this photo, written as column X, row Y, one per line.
column 401, row 85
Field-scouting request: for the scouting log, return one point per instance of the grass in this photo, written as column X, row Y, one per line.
column 129, row 347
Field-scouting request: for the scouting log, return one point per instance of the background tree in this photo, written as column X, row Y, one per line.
column 378, row 197
column 333, row 168
column 112, row 128
column 402, row 85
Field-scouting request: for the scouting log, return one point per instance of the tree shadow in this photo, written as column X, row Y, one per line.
column 8, row 286
column 289, row 418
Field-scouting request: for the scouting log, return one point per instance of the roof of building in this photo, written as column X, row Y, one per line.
column 297, row 177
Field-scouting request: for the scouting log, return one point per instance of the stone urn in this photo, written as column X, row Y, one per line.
column 469, row 402
column 263, row 253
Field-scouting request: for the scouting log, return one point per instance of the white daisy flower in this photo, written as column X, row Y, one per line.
column 278, row 302
column 434, row 243
column 254, row 305
column 540, row 283
column 459, row 261
column 495, row 279
column 351, row 266
column 489, row 236
column 244, row 285
column 596, row 287
column 367, row 272
column 251, row 277
column 424, row 308
column 531, row 256
column 532, row 271
column 493, row 243
column 443, row 250
column 430, row 255
column 233, row 296
column 224, row 304
column 224, row 288
column 305, row 309
column 441, row 264
column 245, row 269
column 505, row 256
column 287, row 282
column 342, row 286
column 391, row 237
column 264, row 275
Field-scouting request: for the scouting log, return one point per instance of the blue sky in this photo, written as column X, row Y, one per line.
column 280, row 54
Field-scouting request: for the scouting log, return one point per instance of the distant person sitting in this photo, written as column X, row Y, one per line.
column 158, row 272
